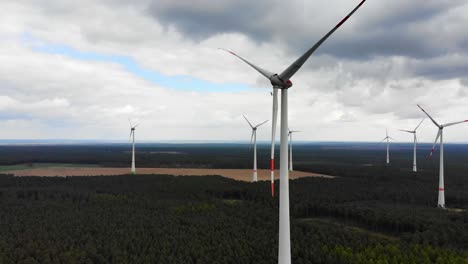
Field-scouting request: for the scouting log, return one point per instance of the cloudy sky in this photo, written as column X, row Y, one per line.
column 79, row 69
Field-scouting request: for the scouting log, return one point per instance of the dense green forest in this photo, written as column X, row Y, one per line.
column 167, row 219
column 371, row 213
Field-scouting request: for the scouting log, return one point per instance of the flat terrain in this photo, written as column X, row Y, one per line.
column 42, row 165
column 237, row 174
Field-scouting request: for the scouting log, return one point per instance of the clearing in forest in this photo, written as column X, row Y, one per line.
column 237, row 174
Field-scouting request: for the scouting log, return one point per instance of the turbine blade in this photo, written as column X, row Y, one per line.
column 406, row 131
column 273, row 135
column 295, row 66
column 130, row 122
column 248, row 121
column 261, row 123
column 433, row 121
column 435, row 142
column 251, row 139
column 264, row 72
column 454, row 123
column 382, row 140
column 391, row 138
column 131, row 132
column 419, row 124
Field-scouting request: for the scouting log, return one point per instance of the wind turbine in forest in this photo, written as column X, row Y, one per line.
column 441, row 199
column 415, row 143
column 282, row 81
column 132, row 138
column 290, row 148
column 388, row 145
column 254, row 139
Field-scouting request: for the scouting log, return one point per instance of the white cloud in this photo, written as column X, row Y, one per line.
column 368, row 76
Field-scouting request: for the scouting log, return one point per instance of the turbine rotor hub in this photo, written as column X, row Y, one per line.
column 276, row 81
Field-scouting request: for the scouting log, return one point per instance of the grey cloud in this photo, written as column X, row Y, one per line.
column 201, row 19
column 389, row 57
column 464, row 82
column 388, row 29
column 448, row 67
column 409, row 29
column 417, row 29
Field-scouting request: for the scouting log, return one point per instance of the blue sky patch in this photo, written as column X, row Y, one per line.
column 178, row 82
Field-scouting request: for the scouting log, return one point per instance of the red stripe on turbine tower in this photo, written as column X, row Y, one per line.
column 441, row 189
column 272, row 165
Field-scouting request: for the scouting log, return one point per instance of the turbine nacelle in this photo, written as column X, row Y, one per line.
column 276, row 81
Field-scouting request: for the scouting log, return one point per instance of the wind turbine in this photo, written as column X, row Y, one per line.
column 415, row 143
column 132, row 138
column 388, row 145
column 441, row 199
column 282, row 81
column 290, row 148
column 254, row 138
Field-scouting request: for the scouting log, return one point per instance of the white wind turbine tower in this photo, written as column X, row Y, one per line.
column 290, row 148
column 441, row 199
column 388, row 145
column 415, row 143
column 282, row 81
column 132, row 138
column 254, row 139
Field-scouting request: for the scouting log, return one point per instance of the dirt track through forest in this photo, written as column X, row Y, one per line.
column 238, row 174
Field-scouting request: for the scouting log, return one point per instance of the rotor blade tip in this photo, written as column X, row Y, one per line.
column 228, row 51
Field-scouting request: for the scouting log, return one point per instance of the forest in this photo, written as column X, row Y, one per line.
column 334, row 157
column 369, row 214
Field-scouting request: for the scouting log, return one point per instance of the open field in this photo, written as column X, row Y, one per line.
column 29, row 166
column 237, row 174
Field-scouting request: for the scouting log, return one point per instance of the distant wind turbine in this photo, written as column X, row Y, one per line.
column 388, row 145
column 441, row 199
column 290, row 148
column 282, row 81
column 254, row 139
column 132, row 138
column 415, row 143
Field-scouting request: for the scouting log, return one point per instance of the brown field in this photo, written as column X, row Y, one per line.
column 237, row 174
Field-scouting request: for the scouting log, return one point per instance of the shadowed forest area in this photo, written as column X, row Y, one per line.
column 335, row 158
column 370, row 214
